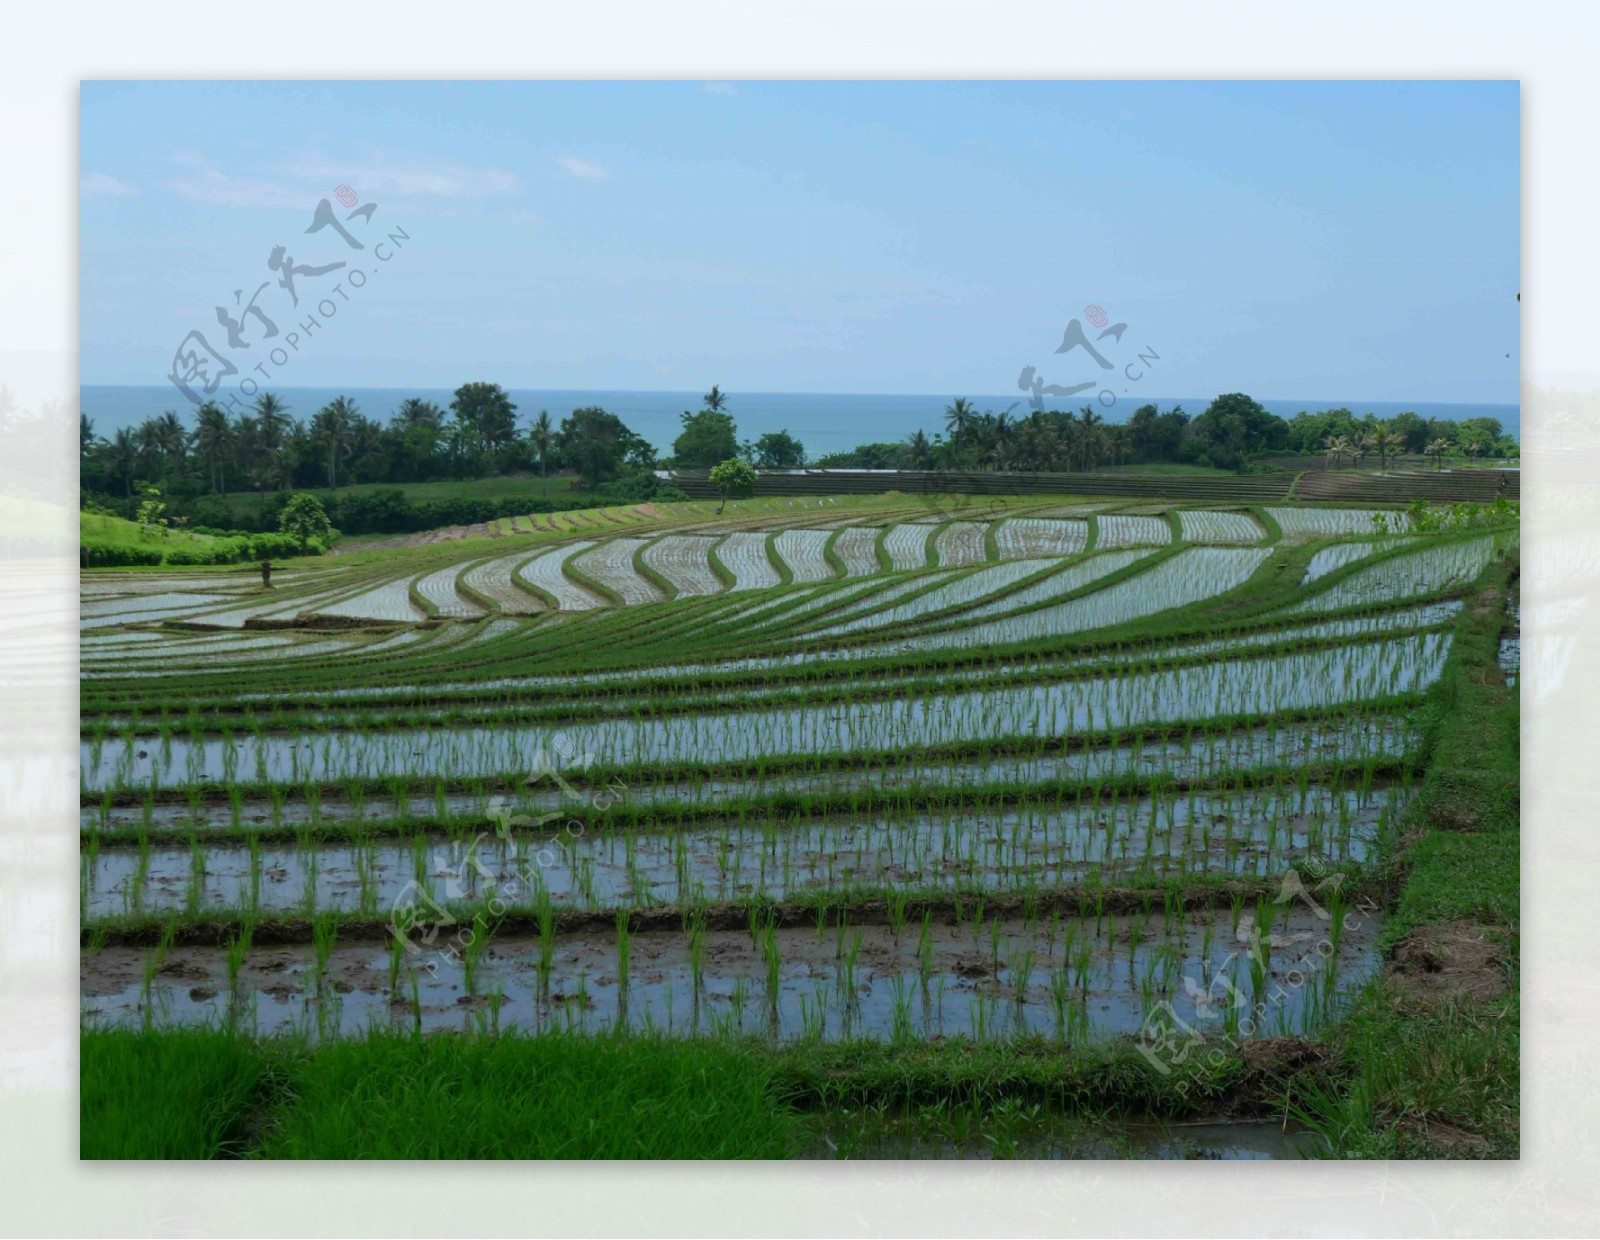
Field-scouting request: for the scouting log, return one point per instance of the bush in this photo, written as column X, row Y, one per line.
column 212, row 531
column 116, row 555
column 216, row 554
column 633, row 489
column 277, row 547
column 221, row 551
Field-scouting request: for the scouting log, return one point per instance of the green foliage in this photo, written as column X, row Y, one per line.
column 734, row 480
column 598, row 445
column 1442, row 518
column 304, row 519
column 267, row 450
column 486, row 420
column 1232, row 427
column 865, row 456
column 151, row 514
column 707, row 437
column 777, row 450
column 117, row 555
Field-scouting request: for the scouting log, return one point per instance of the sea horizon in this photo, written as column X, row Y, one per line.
column 824, row 422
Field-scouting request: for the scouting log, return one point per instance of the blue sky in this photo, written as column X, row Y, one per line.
column 1352, row 240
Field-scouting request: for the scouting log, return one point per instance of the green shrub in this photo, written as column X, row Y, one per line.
column 116, row 555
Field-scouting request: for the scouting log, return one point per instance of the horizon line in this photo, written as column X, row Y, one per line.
column 445, row 387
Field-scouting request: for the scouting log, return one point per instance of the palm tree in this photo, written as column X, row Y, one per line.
column 367, row 447
column 147, row 446
column 173, row 438
column 122, row 456
column 1001, row 440
column 272, row 424
column 1436, row 449
column 414, row 412
column 213, row 438
column 542, row 437
column 918, row 450
column 1382, row 440
column 332, row 428
column 716, row 399
column 958, row 417
column 1118, row 443
column 1035, row 449
column 1088, row 440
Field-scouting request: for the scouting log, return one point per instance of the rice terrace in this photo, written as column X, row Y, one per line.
column 1155, row 816
column 1054, row 697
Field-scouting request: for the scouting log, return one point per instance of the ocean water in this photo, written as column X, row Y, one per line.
column 823, row 421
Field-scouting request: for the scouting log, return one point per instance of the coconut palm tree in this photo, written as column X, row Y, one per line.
column 716, row 399
column 173, row 438
column 122, row 458
column 271, row 441
column 1040, row 446
column 1002, row 446
column 1383, row 441
column 332, row 429
column 213, row 439
column 542, row 437
column 1339, row 447
column 958, row 418
column 1436, row 449
column 919, row 452
column 1089, row 443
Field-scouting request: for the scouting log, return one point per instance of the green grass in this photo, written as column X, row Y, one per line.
column 1437, row 1079
column 513, row 1096
column 1455, row 876
column 191, row 1094
column 182, row 1094
column 197, row 1094
column 94, row 527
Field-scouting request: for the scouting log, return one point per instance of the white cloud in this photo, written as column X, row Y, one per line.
column 719, row 88
column 301, row 183
column 409, row 179
column 210, row 185
column 583, row 169
column 100, row 183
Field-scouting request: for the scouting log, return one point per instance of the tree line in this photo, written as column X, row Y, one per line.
column 1231, row 431
column 266, row 448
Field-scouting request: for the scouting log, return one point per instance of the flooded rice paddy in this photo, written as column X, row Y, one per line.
column 1070, row 977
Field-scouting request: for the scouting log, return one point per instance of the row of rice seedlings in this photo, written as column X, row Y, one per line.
column 501, row 701
column 640, row 796
column 1036, row 975
column 1310, row 680
column 1003, row 845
